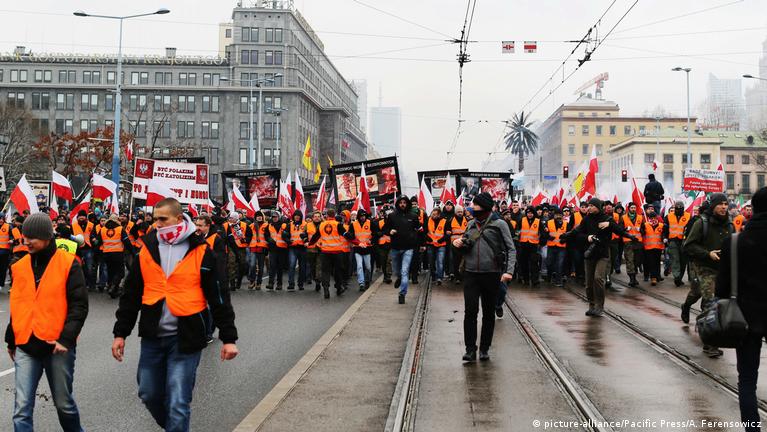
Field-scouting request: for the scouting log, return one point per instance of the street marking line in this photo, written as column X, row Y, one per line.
column 7, row 372
column 256, row 418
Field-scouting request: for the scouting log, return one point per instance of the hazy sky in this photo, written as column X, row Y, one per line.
column 417, row 69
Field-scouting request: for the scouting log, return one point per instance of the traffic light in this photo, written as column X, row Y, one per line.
column 624, row 176
column 565, row 171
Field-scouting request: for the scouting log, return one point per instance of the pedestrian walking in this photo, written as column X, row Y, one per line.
column 361, row 237
column 277, row 237
column 555, row 228
column 632, row 248
column 436, row 240
column 675, row 226
column 653, row 248
column 237, row 240
column 404, row 229
column 331, row 253
column 114, row 242
column 171, row 284
column 257, row 251
column 297, row 251
column 313, row 263
column 49, row 305
column 383, row 243
column 529, row 240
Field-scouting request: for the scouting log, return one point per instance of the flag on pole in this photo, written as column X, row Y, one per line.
column 129, row 151
column 696, row 200
column 61, row 187
column 240, row 203
column 590, row 182
column 299, row 203
column 637, row 197
column 321, row 197
column 307, row 157
column 332, row 199
column 254, row 203
column 425, row 200
column 158, row 190
column 460, row 201
column 655, row 164
column 289, row 184
column 284, row 203
column 23, row 197
column 540, row 198
column 114, row 204
column 53, row 208
column 230, row 203
column 208, row 208
column 448, row 191
column 84, row 205
column 193, row 211
column 330, row 162
column 103, row 188
column 317, row 172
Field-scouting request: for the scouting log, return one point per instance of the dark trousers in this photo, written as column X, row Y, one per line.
column 115, row 268
column 528, row 262
column 5, row 261
column 455, row 261
column 595, row 282
column 384, row 262
column 478, row 286
column 555, row 263
column 652, row 262
column 748, row 371
column 278, row 258
column 415, row 264
column 313, row 270
column 332, row 263
column 619, row 256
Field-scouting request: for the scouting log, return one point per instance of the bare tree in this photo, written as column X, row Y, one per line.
column 18, row 131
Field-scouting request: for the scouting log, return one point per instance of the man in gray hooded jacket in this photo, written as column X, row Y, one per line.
column 489, row 258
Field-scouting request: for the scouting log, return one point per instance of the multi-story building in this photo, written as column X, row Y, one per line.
column 723, row 109
column 386, row 130
column 361, row 88
column 568, row 136
column 743, row 160
column 202, row 103
column 756, row 96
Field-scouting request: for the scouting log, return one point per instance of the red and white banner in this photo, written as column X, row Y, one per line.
column 23, row 197
column 703, row 180
column 189, row 181
column 531, row 46
column 103, row 188
column 61, row 187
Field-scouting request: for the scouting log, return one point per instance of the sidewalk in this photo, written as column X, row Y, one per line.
column 350, row 385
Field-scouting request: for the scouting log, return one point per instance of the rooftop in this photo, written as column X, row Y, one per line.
column 731, row 139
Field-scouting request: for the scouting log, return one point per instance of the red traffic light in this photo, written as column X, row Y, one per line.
column 624, row 176
column 565, row 171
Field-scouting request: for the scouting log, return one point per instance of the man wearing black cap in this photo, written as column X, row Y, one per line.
column 403, row 227
column 530, row 233
column 49, row 304
column 595, row 230
column 703, row 245
column 675, row 224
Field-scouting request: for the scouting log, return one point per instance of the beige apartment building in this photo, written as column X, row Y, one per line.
column 743, row 159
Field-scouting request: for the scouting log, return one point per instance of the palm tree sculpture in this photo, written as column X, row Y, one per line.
column 520, row 139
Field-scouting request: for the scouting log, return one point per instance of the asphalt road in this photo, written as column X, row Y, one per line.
column 275, row 329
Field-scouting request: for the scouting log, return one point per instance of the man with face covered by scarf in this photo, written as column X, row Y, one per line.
column 673, row 233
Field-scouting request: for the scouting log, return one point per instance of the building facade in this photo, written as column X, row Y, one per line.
column 386, row 130
column 574, row 130
column 361, row 88
column 724, row 104
column 756, row 96
column 202, row 103
column 743, row 160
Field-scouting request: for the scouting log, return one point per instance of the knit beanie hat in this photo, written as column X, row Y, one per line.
column 596, row 202
column 38, row 226
column 717, row 198
column 484, row 200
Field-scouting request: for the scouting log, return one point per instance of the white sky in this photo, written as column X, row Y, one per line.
column 495, row 85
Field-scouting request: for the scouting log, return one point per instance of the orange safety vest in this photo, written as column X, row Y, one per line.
column 40, row 310
column 128, row 228
column 295, row 233
column 211, row 240
column 635, row 228
column 21, row 247
column 436, row 233
column 311, row 229
column 384, row 239
column 5, row 236
column 240, row 242
column 529, row 233
column 330, row 240
column 653, row 238
column 457, row 229
column 112, row 239
column 676, row 226
column 578, row 218
column 738, row 222
column 181, row 290
column 277, row 236
column 258, row 235
column 556, row 234
column 346, row 245
column 77, row 229
column 362, row 234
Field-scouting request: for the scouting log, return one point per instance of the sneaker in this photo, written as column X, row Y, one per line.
column 597, row 313
column 484, row 356
column 300, row 287
column 251, row 285
column 439, row 282
column 685, row 313
column 397, row 283
column 470, row 356
column 290, row 288
column 653, row 282
column 362, row 287
column 712, row 352
column 258, row 287
column 209, row 340
column 590, row 312
column 499, row 311
column 402, row 299
column 678, row 282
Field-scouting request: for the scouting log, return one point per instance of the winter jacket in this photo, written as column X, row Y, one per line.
column 653, row 191
column 697, row 247
column 192, row 334
column 590, row 226
column 491, row 252
column 407, row 227
column 752, row 291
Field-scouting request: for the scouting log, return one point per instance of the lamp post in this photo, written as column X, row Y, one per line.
column 118, row 80
column 257, row 83
column 754, row 77
column 689, row 131
column 278, row 112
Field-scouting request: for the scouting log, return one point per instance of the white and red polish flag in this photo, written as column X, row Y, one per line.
column 299, row 202
column 23, row 197
column 240, row 203
column 193, row 211
column 321, row 197
column 425, row 200
column 84, row 205
column 103, row 188
column 158, row 191
column 61, row 187
column 531, row 46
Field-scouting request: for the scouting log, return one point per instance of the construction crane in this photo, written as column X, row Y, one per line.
column 599, row 81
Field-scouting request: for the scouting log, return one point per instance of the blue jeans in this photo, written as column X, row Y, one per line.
column 59, row 369
column 363, row 268
column 296, row 255
column 555, row 262
column 436, row 257
column 166, row 381
column 400, row 264
column 502, row 291
column 255, row 266
column 88, row 268
column 100, row 266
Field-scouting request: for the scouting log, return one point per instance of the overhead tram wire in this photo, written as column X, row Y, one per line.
column 682, row 15
column 463, row 58
column 400, row 18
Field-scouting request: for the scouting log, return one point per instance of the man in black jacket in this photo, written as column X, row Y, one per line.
column 172, row 325
column 595, row 230
column 653, row 192
column 752, row 299
column 403, row 228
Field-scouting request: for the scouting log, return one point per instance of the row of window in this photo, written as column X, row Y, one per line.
column 252, row 57
column 136, row 78
column 585, row 149
column 744, row 159
column 270, row 102
column 668, row 158
column 250, row 34
column 745, row 182
column 613, row 130
column 90, row 102
column 271, row 130
column 270, row 80
column 271, row 156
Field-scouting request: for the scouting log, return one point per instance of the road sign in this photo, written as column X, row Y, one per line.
column 507, row 47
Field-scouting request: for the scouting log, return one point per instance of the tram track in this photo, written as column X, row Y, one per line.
column 654, row 295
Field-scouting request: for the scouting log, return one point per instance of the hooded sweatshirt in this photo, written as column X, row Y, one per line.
column 170, row 256
column 407, row 227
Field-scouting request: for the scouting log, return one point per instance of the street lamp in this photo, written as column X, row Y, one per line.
column 278, row 112
column 118, row 79
column 258, row 82
column 754, row 77
column 689, row 130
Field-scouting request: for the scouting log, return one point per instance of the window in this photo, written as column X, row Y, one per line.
column 760, row 160
column 243, row 130
column 38, row 76
column 157, row 103
column 192, row 79
column 96, row 77
column 585, row 130
column 729, row 159
column 186, row 104
column 144, row 78
column 19, row 75
column 684, row 158
column 745, row 182
column 649, row 158
column 110, row 77
column 269, row 57
column 277, row 102
column 16, row 99
column 730, row 180
column 89, row 102
column 162, row 128
column 41, row 101
column 245, row 57
column 134, row 78
column 580, row 114
column 705, row 158
column 268, row 130
column 278, row 57
column 254, row 34
column 571, row 130
column 214, row 130
column 267, row 104
column 668, row 158
column 598, row 130
column 109, row 102
column 571, row 149
column 185, row 129
column 228, row 33
column 206, row 79
column 272, row 156
column 269, row 35
column 253, row 56
column 187, row 79
column 759, row 181
column 65, row 101
column 87, row 77
column 744, row 159
column 213, row 159
column 243, row 156
column 64, row 126
column 642, row 130
column 278, row 35
column 585, row 149
column 244, row 104
column 205, row 130
column 627, row 130
column 599, row 149
column 612, row 130
column 163, row 78
column 140, row 129
column 245, row 33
